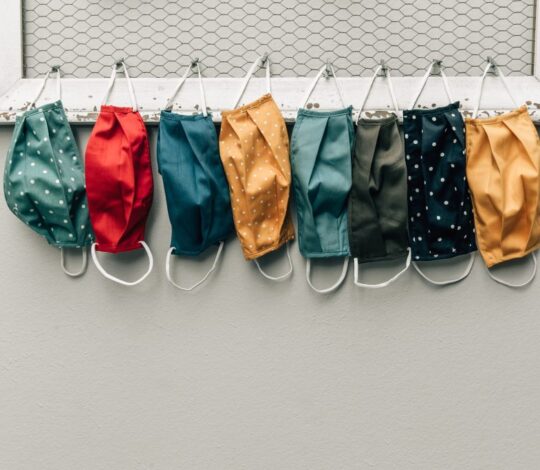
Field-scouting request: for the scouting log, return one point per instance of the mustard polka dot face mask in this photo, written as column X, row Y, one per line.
column 254, row 149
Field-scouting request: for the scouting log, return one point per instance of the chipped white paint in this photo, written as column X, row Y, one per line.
column 82, row 97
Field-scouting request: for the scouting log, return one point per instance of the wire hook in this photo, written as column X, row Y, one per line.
column 384, row 68
column 55, row 68
column 195, row 62
column 264, row 59
column 437, row 66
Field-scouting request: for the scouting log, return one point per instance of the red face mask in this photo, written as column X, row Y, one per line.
column 119, row 180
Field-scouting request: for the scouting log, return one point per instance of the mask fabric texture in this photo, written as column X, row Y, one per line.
column 440, row 212
column 119, row 180
column 503, row 164
column 378, row 200
column 44, row 181
column 321, row 162
column 195, row 186
column 254, row 150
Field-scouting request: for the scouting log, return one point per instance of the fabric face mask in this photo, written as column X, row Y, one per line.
column 254, row 150
column 119, row 180
column 378, row 199
column 503, row 163
column 44, row 180
column 195, row 186
column 321, row 147
column 440, row 212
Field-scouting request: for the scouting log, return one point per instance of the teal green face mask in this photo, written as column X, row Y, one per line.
column 321, row 149
column 44, row 181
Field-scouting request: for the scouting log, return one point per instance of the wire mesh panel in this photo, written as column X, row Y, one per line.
column 159, row 36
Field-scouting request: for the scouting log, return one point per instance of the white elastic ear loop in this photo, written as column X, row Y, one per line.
column 425, row 79
column 250, row 72
column 268, row 76
column 481, row 86
column 468, row 270
column 170, row 101
column 201, row 88
column 198, row 283
column 120, row 281
column 382, row 284
column 129, row 84
column 44, row 83
column 333, row 287
column 83, row 267
column 277, row 278
column 370, row 86
column 507, row 284
column 313, row 84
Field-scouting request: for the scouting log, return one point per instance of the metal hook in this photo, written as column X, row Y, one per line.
column 492, row 64
column 328, row 70
column 55, row 68
column 264, row 59
column 384, row 68
column 120, row 62
column 436, row 66
column 194, row 62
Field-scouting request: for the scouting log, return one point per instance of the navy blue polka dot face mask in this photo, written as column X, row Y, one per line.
column 441, row 222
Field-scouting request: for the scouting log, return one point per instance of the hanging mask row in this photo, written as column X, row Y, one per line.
column 374, row 193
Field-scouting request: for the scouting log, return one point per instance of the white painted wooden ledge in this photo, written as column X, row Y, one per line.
column 82, row 97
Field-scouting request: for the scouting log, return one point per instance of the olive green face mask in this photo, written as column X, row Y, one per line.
column 378, row 199
column 44, row 181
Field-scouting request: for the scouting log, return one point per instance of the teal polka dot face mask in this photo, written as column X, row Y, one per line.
column 44, row 181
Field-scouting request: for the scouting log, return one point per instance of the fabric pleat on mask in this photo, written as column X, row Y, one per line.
column 119, row 180
column 44, row 179
column 503, row 164
column 196, row 189
column 254, row 150
column 378, row 198
column 321, row 147
column 441, row 222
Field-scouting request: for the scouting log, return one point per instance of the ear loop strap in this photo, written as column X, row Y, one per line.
column 507, row 284
column 261, row 61
column 382, row 284
column 332, row 288
column 129, row 84
column 277, row 278
column 425, row 79
column 468, row 270
column 386, row 72
column 329, row 69
column 170, row 102
column 44, row 82
column 198, row 283
column 83, row 267
column 492, row 65
column 101, row 269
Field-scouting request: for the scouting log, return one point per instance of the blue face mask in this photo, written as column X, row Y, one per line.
column 321, row 149
column 196, row 190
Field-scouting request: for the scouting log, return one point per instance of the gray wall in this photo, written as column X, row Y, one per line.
column 159, row 36
column 246, row 374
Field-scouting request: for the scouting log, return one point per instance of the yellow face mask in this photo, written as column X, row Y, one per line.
column 254, row 149
column 503, row 163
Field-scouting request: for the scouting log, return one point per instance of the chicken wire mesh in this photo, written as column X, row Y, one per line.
column 158, row 36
